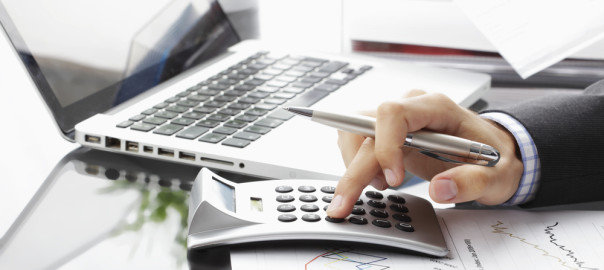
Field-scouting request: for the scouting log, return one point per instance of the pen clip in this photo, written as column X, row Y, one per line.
column 485, row 163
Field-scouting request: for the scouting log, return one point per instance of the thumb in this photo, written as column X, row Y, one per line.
column 466, row 183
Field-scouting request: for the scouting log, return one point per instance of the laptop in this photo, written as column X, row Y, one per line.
column 175, row 82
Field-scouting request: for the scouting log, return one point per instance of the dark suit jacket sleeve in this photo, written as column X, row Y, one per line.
column 568, row 131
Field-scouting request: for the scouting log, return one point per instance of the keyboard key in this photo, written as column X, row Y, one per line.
column 166, row 114
column 225, row 130
column 236, row 142
column 183, row 121
column 332, row 67
column 193, row 115
column 219, row 117
column 142, row 127
column 149, row 111
column 208, row 123
column 281, row 115
column 125, row 124
column 247, row 136
column 257, row 129
column 155, row 121
column 269, row 122
column 177, row 109
column 327, row 87
column 168, row 129
column 212, row 138
column 247, row 118
column 192, row 132
column 308, row 98
column 204, row 110
column 236, row 123
column 137, row 117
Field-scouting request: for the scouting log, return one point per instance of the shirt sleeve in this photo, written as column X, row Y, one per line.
column 529, row 181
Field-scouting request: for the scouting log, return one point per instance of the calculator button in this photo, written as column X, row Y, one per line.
column 406, row 227
column 334, row 220
column 306, row 189
column 402, row 217
column 284, row 189
column 286, row 208
column 287, row 218
column 378, row 213
column 285, row 198
column 328, row 189
column 311, row 217
column 374, row 195
column 396, row 198
column 381, row 223
column 399, row 208
column 358, row 211
column 309, row 208
column 359, row 202
column 327, row 198
column 308, row 198
column 376, row 204
column 358, row 220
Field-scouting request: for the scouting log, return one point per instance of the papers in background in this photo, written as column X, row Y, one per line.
column 532, row 35
column 477, row 239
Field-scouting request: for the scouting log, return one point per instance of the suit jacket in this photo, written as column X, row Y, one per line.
column 568, row 130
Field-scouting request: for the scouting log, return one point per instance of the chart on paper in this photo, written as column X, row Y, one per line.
column 477, row 239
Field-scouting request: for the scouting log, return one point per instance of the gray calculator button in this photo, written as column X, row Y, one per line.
column 328, row 189
column 334, row 220
column 359, row 202
column 285, row 198
column 309, row 208
column 399, row 208
column 284, row 189
column 311, row 217
column 308, row 198
column 286, row 208
column 381, row 223
column 406, row 227
column 358, row 220
column 402, row 217
column 327, row 198
column 358, row 211
column 287, row 218
column 396, row 199
column 306, row 189
column 378, row 213
column 374, row 195
column 376, row 204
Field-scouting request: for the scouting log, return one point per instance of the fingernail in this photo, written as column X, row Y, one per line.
column 390, row 177
column 335, row 203
column 445, row 189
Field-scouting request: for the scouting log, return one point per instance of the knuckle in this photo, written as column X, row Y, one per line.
column 390, row 108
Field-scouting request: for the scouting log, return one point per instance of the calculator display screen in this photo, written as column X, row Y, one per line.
column 225, row 195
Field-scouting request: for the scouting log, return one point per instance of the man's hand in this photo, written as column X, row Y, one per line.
column 381, row 162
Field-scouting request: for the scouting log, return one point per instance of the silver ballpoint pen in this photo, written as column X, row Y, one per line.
column 428, row 142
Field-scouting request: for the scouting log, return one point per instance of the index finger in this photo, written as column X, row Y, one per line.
column 362, row 170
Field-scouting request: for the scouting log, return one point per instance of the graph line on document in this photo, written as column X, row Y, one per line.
column 549, row 230
column 337, row 256
column 498, row 229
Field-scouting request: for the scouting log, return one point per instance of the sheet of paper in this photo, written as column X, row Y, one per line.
column 532, row 35
column 477, row 239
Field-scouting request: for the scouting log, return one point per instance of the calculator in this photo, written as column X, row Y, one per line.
column 223, row 212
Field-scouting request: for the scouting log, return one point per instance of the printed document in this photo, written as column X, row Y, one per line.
column 532, row 35
column 477, row 239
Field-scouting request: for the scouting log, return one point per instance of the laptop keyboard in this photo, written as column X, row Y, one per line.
column 239, row 105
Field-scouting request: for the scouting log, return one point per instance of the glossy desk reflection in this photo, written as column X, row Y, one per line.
column 100, row 210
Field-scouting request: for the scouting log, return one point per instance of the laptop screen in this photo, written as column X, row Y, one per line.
column 88, row 56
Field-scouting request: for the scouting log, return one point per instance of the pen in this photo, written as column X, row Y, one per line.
column 428, row 142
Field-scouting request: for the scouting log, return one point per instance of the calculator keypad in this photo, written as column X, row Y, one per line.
column 380, row 211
